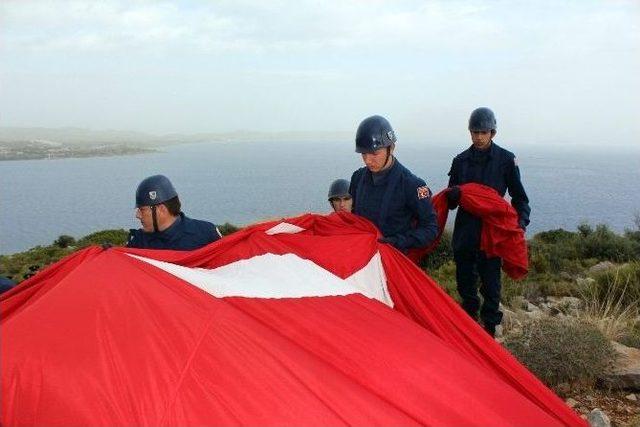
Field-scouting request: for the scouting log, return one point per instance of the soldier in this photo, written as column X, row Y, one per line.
column 339, row 196
column 164, row 226
column 488, row 164
column 6, row 284
column 387, row 193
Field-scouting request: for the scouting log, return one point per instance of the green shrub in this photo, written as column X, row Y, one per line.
column 539, row 262
column 621, row 282
column 445, row 276
column 64, row 241
column 604, row 244
column 442, row 255
column 634, row 238
column 561, row 350
column 555, row 236
column 227, row 228
column 22, row 265
column 631, row 337
column 117, row 237
column 585, row 230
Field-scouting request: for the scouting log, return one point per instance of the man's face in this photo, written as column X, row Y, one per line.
column 342, row 204
column 481, row 138
column 143, row 213
column 376, row 161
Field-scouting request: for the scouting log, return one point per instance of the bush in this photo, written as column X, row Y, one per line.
column 561, row 350
column 117, row 237
column 445, row 276
column 227, row 228
column 442, row 255
column 64, row 241
column 631, row 337
column 618, row 283
column 604, row 244
column 585, row 230
column 555, row 236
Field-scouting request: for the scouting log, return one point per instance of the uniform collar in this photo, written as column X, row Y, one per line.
column 466, row 154
column 381, row 177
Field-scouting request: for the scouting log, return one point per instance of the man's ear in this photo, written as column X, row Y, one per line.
column 493, row 133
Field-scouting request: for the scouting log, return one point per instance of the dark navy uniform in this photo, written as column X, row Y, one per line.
column 183, row 235
column 496, row 168
column 398, row 203
column 6, row 284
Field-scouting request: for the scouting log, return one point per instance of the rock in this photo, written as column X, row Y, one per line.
column 597, row 418
column 534, row 315
column 564, row 305
column 498, row 333
column 544, row 306
column 631, row 397
column 625, row 373
column 571, row 403
column 601, row 266
column 510, row 321
column 532, row 307
column 559, row 302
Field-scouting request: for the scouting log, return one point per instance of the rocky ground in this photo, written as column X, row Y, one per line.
column 605, row 407
column 615, row 399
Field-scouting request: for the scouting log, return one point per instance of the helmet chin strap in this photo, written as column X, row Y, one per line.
column 154, row 216
column 387, row 159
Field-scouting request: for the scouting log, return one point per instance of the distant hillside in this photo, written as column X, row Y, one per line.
column 83, row 136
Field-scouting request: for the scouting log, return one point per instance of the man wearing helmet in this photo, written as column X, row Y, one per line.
column 489, row 164
column 387, row 193
column 164, row 226
column 339, row 196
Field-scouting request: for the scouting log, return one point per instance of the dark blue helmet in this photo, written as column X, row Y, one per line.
column 482, row 119
column 154, row 190
column 374, row 132
column 339, row 188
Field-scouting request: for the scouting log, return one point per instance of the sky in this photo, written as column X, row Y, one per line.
column 553, row 71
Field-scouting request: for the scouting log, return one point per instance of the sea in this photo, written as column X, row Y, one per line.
column 244, row 182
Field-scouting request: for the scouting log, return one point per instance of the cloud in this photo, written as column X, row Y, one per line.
column 248, row 26
column 282, row 64
column 315, row 26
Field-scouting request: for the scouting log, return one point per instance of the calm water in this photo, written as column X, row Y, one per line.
column 245, row 182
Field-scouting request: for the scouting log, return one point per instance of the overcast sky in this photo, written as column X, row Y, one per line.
column 553, row 71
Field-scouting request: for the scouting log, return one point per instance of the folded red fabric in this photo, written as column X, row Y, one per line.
column 501, row 235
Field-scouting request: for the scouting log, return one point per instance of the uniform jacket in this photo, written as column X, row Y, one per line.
column 399, row 204
column 496, row 168
column 183, row 235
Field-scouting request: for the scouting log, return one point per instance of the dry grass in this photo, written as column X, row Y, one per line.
column 608, row 308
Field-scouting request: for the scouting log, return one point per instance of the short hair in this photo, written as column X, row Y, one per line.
column 173, row 206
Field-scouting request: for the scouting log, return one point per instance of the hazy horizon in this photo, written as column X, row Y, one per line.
column 553, row 72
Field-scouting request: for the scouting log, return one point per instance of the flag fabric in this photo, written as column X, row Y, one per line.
column 501, row 236
column 304, row 321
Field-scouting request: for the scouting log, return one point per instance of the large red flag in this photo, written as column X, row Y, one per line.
column 308, row 321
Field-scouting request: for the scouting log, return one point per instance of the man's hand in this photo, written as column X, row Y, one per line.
column 453, row 196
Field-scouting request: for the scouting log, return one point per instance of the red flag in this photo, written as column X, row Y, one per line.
column 309, row 321
column 501, row 236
